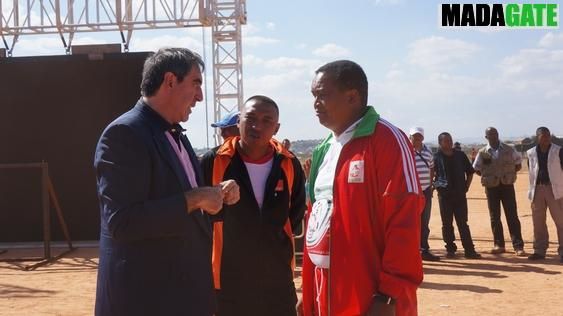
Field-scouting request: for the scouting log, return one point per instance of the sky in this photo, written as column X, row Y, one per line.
column 455, row 80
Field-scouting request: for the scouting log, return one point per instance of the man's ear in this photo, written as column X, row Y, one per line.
column 353, row 96
column 277, row 129
column 169, row 80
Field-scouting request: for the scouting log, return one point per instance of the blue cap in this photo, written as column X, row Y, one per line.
column 230, row 119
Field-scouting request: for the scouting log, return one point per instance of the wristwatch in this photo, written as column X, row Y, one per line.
column 388, row 300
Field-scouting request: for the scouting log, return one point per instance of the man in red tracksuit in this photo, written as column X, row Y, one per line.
column 363, row 232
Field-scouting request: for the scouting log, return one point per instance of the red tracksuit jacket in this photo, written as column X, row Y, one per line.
column 375, row 224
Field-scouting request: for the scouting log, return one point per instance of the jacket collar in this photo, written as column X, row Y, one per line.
column 157, row 122
column 229, row 148
column 365, row 127
column 489, row 148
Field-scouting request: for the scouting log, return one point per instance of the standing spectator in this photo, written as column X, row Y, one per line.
column 228, row 125
column 425, row 169
column 497, row 164
column 545, row 163
column 453, row 179
column 286, row 144
column 473, row 154
column 363, row 233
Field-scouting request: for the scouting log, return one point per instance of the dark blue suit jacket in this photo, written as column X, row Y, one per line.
column 155, row 258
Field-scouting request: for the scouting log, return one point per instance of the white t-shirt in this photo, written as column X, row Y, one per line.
column 318, row 227
column 258, row 173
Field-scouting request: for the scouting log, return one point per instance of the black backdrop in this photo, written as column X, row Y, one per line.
column 54, row 109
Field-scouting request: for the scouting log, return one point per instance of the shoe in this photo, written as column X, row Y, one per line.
column 498, row 250
column 536, row 256
column 450, row 255
column 472, row 255
column 428, row 256
column 520, row 252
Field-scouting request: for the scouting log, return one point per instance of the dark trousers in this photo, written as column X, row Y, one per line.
column 504, row 193
column 455, row 205
column 425, row 220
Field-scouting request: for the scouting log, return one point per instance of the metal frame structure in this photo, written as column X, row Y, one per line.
column 228, row 15
column 48, row 198
column 68, row 17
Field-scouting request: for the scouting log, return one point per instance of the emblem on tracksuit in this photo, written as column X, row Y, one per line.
column 356, row 172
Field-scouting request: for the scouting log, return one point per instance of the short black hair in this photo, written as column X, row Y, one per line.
column 542, row 130
column 347, row 75
column 178, row 61
column 264, row 99
column 442, row 135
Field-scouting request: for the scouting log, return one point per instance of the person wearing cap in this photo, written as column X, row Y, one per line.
column 253, row 248
column 425, row 169
column 497, row 164
column 228, row 125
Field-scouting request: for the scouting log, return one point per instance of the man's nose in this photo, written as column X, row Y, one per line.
column 199, row 95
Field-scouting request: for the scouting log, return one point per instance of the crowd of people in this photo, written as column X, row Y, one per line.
column 497, row 164
column 184, row 236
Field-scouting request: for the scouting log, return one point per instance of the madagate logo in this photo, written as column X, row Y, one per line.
column 499, row 15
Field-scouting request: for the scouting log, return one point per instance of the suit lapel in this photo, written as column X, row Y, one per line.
column 169, row 155
column 171, row 159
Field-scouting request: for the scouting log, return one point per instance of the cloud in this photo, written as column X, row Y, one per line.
column 331, row 50
column 271, row 26
column 287, row 80
column 551, row 40
column 538, row 69
column 39, row 46
column 250, row 29
column 142, row 43
column 438, row 52
column 503, row 93
column 258, row 41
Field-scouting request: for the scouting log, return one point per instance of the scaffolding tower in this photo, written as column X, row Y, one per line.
column 68, row 17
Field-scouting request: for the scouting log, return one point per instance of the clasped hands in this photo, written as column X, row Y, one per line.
column 211, row 199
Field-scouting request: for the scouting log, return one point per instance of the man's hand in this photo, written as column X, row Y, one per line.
column 209, row 199
column 381, row 309
column 231, row 192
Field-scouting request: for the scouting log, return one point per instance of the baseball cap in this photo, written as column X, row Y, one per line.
column 416, row 130
column 230, row 119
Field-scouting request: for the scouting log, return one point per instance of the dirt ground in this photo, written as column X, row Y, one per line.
column 495, row 285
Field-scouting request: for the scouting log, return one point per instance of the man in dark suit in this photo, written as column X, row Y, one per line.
column 155, row 240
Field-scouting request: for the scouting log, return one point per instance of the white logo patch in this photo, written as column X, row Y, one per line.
column 356, row 172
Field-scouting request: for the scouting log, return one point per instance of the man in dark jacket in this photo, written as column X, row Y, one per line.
column 252, row 240
column 453, row 178
column 155, row 240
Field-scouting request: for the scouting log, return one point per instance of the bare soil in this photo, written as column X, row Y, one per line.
column 495, row 285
